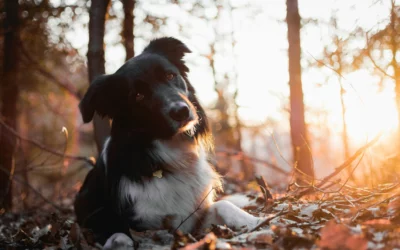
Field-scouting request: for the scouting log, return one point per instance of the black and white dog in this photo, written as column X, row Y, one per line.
column 154, row 170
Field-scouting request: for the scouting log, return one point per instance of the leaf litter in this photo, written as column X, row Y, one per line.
column 356, row 220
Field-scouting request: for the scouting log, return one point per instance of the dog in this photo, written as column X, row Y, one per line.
column 154, row 171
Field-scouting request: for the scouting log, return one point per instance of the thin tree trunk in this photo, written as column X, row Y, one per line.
column 9, row 97
column 128, row 32
column 300, row 144
column 246, row 166
column 95, row 55
column 344, row 125
column 339, row 53
column 394, row 64
column 345, row 137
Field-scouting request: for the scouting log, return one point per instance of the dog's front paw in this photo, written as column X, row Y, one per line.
column 225, row 213
column 119, row 241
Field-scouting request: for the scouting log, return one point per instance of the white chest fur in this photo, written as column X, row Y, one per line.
column 178, row 193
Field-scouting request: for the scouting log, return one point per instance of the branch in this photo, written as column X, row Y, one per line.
column 243, row 156
column 64, row 84
column 326, row 65
column 341, row 167
column 197, row 209
column 268, row 220
column 34, row 190
column 39, row 145
column 374, row 62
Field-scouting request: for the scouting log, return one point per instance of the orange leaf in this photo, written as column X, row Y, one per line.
column 338, row 236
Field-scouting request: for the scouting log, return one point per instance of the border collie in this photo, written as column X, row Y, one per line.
column 154, row 171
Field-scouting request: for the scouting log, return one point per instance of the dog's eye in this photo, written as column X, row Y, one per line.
column 170, row 76
column 139, row 97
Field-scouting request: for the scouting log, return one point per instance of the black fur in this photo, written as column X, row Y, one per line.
column 135, row 126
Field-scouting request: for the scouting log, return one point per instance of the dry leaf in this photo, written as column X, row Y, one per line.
column 338, row 236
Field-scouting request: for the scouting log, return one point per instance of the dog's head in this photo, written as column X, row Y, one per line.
column 150, row 94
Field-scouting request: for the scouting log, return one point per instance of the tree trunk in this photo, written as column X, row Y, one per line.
column 128, row 32
column 9, row 97
column 394, row 64
column 345, row 137
column 95, row 55
column 301, row 150
column 344, row 125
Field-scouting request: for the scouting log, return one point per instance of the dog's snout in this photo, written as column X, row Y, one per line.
column 179, row 111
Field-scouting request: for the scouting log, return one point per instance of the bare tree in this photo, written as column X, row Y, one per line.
column 128, row 32
column 301, row 150
column 9, row 97
column 95, row 55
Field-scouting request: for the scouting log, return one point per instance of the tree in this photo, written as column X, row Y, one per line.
column 95, row 55
column 334, row 56
column 128, row 33
column 377, row 47
column 301, row 150
column 9, row 97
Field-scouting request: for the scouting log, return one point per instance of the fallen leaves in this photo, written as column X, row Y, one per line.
column 352, row 220
column 41, row 231
column 338, row 236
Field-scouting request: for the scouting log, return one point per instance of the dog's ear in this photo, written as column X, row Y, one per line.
column 106, row 96
column 172, row 48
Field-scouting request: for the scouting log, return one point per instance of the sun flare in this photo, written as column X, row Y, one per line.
column 370, row 110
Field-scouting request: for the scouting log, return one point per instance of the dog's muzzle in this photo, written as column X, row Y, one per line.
column 180, row 112
column 184, row 114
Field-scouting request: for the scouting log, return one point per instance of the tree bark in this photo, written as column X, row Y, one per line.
column 300, row 144
column 95, row 55
column 9, row 97
column 128, row 32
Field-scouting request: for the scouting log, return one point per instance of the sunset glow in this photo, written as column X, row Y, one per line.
column 260, row 59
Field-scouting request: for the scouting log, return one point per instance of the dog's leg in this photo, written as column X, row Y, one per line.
column 225, row 213
column 119, row 241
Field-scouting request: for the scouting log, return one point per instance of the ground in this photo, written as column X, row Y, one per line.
column 342, row 218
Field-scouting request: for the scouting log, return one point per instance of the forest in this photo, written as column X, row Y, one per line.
column 302, row 97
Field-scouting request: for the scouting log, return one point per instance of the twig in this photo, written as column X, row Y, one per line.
column 264, row 187
column 39, row 145
column 253, row 159
column 197, row 209
column 64, row 84
column 374, row 62
column 268, row 220
column 34, row 190
column 373, row 204
column 279, row 150
column 341, row 167
column 203, row 243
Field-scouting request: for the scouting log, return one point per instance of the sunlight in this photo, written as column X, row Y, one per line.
column 262, row 76
column 370, row 110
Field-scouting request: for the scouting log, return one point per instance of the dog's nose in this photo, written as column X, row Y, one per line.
column 179, row 111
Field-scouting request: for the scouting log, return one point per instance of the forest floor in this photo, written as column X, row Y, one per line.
column 324, row 214
column 349, row 218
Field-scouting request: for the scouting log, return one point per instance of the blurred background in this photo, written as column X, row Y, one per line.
column 288, row 85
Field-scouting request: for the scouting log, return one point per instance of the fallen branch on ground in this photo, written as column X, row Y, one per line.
column 197, row 209
column 268, row 220
column 344, row 165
